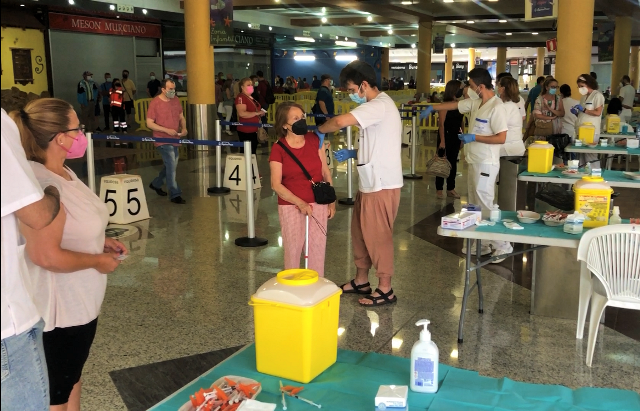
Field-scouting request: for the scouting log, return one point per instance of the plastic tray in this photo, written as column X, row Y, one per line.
column 242, row 380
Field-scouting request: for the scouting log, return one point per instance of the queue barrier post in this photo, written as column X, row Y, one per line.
column 218, row 188
column 414, row 144
column 349, row 199
column 250, row 240
column 91, row 166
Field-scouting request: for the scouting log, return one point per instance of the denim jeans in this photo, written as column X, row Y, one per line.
column 25, row 382
column 170, row 158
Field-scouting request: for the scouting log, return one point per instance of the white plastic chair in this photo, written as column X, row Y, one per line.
column 612, row 255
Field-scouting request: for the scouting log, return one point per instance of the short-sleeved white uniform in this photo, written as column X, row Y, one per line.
column 513, row 146
column 591, row 102
column 486, row 120
column 379, row 155
column 628, row 94
column 19, row 189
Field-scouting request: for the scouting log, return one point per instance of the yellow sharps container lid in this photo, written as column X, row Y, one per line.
column 297, row 277
column 591, row 179
column 296, row 287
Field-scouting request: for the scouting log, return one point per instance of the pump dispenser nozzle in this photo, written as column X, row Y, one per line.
column 425, row 335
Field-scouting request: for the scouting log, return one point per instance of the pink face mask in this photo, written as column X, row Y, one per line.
column 249, row 90
column 78, row 147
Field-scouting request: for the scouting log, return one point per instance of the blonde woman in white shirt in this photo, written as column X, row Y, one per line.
column 507, row 89
column 67, row 259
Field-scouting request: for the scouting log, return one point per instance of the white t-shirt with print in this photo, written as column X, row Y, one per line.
column 513, row 146
column 591, row 102
column 379, row 155
column 486, row 120
column 19, row 189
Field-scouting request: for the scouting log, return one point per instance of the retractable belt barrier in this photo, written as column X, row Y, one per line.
column 250, row 240
column 414, row 140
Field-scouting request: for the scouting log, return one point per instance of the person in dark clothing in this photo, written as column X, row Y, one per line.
column 324, row 100
column 153, row 86
column 449, row 126
column 412, row 83
column 316, row 84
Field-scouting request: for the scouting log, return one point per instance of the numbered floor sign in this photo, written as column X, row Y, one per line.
column 234, row 172
column 328, row 154
column 125, row 199
column 235, row 206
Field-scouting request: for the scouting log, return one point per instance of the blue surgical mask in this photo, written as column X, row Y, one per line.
column 355, row 97
column 552, row 91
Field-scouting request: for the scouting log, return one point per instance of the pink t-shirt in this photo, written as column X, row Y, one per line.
column 70, row 299
column 166, row 114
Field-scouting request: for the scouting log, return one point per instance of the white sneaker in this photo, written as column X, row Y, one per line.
column 501, row 251
column 485, row 249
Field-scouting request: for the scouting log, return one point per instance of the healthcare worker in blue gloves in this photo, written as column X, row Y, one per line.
column 487, row 132
column 380, row 175
column 589, row 111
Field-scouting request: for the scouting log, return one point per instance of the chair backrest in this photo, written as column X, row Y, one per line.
column 612, row 253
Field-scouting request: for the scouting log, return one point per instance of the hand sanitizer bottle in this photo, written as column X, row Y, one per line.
column 424, row 362
column 615, row 218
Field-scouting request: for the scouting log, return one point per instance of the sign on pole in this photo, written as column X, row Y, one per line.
column 220, row 21
column 540, row 10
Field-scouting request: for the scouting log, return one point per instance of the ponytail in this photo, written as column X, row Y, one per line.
column 38, row 123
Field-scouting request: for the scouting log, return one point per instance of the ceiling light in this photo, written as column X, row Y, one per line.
column 346, row 39
column 324, row 19
column 304, row 58
column 320, row 34
column 493, row 1
column 508, row 34
column 390, row 31
column 270, row 28
column 381, row 44
column 72, row 2
column 277, row 1
column 112, row 6
column 308, row 39
column 346, row 43
column 369, row 18
column 470, row 21
column 447, row 1
column 337, row 37
column 22, row 5
column 324, row 10
column 249, row 25
column 534, row 33
column 413, row 45
column 453, row 45
column 346, row 57
column 502, row 21
column 413, row 35
column 406, row 3
column 144, row 11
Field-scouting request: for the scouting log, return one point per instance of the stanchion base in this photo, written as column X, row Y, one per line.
column 459, row 340
column 412, row 177
column 251, row 242
column 346, row 201
column 218, row 190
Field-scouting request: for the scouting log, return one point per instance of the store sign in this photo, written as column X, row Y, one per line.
column 540, row 9
column 220, row 23
column 125, row 8
column 459, row 66
column 86, row 24
column 405, row 66
column 251, row 40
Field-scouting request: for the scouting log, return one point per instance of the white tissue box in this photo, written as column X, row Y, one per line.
column 633, row 143
column 458, row 221
column 392, row 396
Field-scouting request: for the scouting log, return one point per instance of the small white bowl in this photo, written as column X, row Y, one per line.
column 551, row 223
column 527, row 217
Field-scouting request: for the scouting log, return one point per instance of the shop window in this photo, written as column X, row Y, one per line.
column 22, row 70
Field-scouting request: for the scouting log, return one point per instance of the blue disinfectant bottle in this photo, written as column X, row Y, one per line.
column 424, row 362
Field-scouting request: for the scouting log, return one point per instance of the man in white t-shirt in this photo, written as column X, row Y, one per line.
column 627, row 95
column 380, row 180
column 487, row 132
column 25, row 386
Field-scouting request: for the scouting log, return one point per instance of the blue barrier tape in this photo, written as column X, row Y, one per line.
column 235, row 123
column 321, row 115
column 114, row 137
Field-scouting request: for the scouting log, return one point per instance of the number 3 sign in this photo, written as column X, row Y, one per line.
column 125, row 199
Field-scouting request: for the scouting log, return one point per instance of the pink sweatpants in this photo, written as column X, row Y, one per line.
column 293, row 224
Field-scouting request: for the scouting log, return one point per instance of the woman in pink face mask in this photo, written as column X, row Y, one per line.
column 69, row 258
column 249, row 111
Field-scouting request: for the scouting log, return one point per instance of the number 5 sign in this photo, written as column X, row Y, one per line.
column 125, row 199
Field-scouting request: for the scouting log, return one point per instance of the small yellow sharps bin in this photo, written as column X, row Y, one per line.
column 540, row 157
column 587, row 133
column 612, row 124
column 296, row 322
column 593, row 199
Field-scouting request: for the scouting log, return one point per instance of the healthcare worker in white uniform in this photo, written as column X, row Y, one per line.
column 627, row 94
column 507, row 89
column 487, row 133
column 589, row 111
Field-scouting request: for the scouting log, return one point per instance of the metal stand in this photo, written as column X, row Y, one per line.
column 91, row 167
column 218, row 188
column 349, row 199
column 414, row 140
column 251, row 240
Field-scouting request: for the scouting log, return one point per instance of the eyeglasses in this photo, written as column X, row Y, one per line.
column 79, row 128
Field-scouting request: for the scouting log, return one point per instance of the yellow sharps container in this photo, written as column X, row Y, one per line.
column 296, row 325
column 540, row 157
column 613, row 124
column 593, row 199
column 587, row 133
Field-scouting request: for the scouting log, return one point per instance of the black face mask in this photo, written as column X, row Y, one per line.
column 459, row 93
column 125, row 75
column 116, row 84
column 299, row 128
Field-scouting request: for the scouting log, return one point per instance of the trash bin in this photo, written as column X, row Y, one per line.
column 296, row 325
column 512, row 194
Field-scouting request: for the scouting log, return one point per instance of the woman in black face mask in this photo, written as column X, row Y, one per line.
column 449, row 126
column 296, row 199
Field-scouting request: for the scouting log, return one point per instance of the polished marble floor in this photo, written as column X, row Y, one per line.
column 179, row 304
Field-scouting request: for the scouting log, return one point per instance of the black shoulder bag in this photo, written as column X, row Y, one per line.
column 323, row 192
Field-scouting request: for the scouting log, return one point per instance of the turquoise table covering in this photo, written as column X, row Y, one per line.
column 352, row 383
column 608, row 175
column 609, row 148
column 537, row 229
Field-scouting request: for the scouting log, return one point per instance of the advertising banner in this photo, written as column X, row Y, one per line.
column 220, row 20
column 605, row 42
column 540, row 9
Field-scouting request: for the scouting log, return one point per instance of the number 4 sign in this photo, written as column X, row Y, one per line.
column 125, row 198
column 234, row 172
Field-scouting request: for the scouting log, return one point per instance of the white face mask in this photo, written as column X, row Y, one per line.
column 583, row 90
column 473, row 95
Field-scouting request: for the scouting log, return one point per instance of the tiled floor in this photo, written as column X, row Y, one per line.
column 184, row 292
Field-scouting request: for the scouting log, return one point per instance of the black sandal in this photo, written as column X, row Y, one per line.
column 356, row 289
column 382, row 299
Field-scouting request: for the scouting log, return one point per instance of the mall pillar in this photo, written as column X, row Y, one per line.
column 634, row 67
column 575, row 38
column 448, row 65
column 542, row 51
column 621, row 46
column 501, row 60
column 423, row 79
column 385, row 63
column 472, row 60
column 200, row 70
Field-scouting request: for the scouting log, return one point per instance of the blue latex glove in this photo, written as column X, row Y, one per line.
column 321, row 137
column 467, row 138
column 425, row 113
column 344, row 154
column 575, row 110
